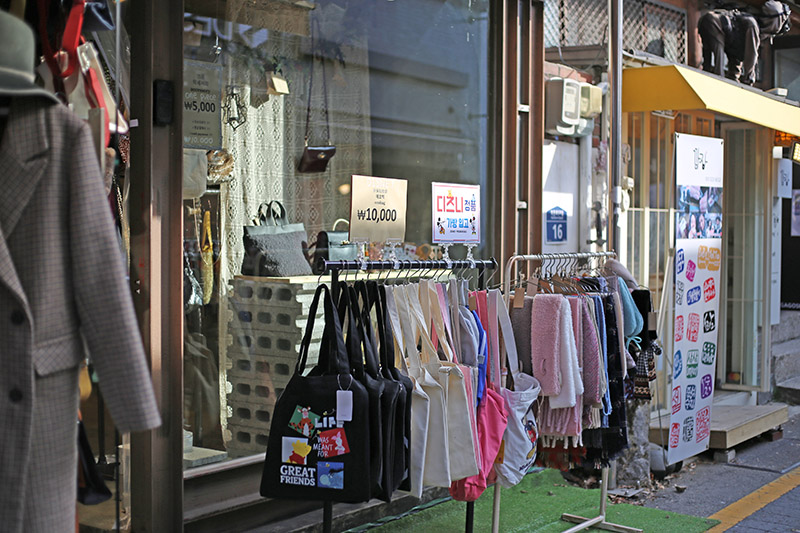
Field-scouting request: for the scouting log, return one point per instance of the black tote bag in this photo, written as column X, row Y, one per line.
column 389, row 399
column 357, row 344
column 314, row 452
column 401, row 460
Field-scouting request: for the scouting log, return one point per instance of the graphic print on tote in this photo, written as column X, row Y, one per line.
column 295, row 450
column 330, row 475
column 304, row 421
column 331, row 443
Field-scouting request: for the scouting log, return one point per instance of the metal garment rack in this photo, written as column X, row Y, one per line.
column 335, row 267
column 583, row 523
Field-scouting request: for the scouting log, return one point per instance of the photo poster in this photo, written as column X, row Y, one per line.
column 698, row 262
column 456, row 215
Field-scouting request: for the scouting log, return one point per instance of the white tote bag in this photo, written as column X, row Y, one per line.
column 461, row 422
column 420, row 403
column 436, row 470
column 519, row 440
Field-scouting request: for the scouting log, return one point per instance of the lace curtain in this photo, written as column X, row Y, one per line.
column 267, row 146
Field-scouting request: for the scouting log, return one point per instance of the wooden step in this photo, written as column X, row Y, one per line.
column 731, row 424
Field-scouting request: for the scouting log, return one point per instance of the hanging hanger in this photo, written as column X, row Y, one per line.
column 493, row 274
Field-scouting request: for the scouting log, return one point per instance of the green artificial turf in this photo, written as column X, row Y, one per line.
column 535, row 505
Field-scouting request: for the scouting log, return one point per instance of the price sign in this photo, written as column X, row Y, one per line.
column 556, row 226
column 202, row 96
column 456, row 213
column 377, row 209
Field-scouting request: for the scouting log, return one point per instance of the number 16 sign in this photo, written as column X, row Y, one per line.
column 555, row 226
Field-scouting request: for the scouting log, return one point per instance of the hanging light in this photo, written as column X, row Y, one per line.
column 235, row 111
column 795, row 153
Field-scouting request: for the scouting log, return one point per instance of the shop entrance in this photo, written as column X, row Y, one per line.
column 744, row 313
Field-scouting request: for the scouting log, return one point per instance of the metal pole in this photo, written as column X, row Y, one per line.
column 470, row 517
column 615, row 141
column 327, row 517
column 496, row 509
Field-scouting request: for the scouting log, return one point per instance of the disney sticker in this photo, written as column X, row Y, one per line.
column 331, row 443
column 330, row 475
column 295, row 450
column 304, row 421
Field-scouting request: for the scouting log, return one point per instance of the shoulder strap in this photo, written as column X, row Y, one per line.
column 439, row 324
column 397, row 330
column 315, row 31
column 509, row 342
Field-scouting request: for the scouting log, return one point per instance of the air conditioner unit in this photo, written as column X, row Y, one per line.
column 591, row 100
column 562, row 106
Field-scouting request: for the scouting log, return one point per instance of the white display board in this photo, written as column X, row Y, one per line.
column 377, row 209
column 698, row 261
column 456, row 213
column 202, row 100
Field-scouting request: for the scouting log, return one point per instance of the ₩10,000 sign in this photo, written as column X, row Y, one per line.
column 377, row 215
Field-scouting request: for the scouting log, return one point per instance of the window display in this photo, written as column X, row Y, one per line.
column 304, row 96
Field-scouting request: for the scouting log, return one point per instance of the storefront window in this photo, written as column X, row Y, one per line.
column 404, row 86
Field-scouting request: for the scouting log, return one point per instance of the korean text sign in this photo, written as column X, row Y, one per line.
column 698, row 261
column 456, row 213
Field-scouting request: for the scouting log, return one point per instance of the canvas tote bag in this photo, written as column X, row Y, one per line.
column 461, row 422
column 492, row 416
column 419, row 414
column 318, row 445
column 518, row 451
column 437, row 457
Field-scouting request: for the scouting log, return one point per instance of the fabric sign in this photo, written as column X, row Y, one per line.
column 698, row 260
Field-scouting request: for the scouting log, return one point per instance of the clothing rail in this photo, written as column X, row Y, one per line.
column 334, row 267
column 583, row 523
column 514, row 259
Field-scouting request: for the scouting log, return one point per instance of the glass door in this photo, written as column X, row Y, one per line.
column 745, row 335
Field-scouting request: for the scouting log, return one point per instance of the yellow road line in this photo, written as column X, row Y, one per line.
column 741, row 509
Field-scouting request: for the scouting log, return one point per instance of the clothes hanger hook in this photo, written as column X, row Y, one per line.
column 493, row 274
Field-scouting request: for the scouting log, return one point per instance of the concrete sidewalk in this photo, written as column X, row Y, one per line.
column 758, row 490
column 779, row 515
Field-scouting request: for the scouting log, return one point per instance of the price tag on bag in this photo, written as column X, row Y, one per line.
column 377, row 209
column 344, row 406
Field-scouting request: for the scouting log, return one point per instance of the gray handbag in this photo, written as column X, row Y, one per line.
column 272, row 246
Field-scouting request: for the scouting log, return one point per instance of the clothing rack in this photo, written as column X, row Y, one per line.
column 335, row 267
column 583, row 523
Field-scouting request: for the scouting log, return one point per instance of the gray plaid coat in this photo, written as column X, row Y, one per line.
column 62, row 284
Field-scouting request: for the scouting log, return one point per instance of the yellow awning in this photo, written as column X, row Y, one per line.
column 679, row 88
